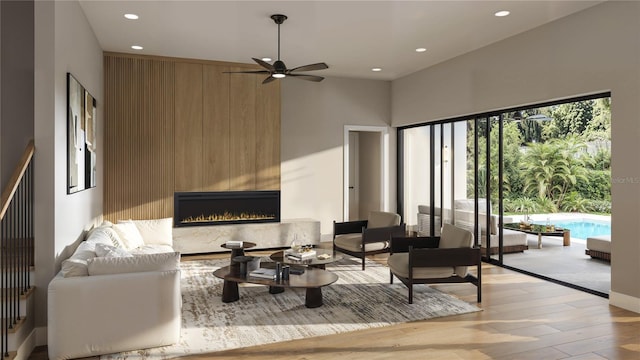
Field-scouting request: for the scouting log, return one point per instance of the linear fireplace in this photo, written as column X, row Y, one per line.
column 226, row 207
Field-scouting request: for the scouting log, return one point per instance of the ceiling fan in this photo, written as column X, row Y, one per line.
column 279, row 70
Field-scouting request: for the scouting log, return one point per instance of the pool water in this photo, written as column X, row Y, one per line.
column 584, row 229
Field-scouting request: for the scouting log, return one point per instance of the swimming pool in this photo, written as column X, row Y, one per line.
column 583, row 229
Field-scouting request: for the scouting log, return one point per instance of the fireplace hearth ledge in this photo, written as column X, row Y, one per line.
column 207, row 239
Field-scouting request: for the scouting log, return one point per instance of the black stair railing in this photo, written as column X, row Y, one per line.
column 16, row 245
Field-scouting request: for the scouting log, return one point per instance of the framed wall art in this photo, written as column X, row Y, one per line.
column 81, row 137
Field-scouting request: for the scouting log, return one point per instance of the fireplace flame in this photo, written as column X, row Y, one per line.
column 228, row 216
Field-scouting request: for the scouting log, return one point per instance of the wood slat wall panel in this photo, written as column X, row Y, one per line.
column 242, row 113
column 215, row 129
column 268, row 135
column 188, row 127
column 159, row 110
column 138, row 135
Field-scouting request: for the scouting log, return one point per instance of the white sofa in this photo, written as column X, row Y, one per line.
column 463, row 216
column 119, row 291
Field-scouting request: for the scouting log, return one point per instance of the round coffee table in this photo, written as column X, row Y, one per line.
column 313, row 262
column 312, row 280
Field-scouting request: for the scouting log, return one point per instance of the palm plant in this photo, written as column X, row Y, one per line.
column 553, row 168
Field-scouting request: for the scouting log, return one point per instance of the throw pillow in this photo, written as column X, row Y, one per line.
column 129, row 234
column 154, row 231
column 76, row 265
column 141, row 263
column 104, row 235
column 103, row 250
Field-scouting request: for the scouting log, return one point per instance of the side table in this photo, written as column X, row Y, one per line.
column 237, row 251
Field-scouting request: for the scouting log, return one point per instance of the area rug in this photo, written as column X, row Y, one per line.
column 358, row 300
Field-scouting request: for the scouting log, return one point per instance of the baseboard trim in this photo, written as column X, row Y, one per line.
column 624, row 301
column 27, row 346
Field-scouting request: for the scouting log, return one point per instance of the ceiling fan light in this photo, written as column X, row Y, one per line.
column 278, row 76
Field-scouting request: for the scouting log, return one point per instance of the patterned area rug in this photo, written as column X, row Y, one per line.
column 358, row 300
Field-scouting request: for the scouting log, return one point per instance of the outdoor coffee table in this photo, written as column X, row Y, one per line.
column 278, row 256
column 312, row 280
column 541, row 230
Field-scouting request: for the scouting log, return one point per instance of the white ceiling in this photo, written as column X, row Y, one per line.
column 352, row 37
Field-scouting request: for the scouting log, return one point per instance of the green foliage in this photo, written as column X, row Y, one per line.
column 552, row 169
column 597, row 185
column 546, row 165
column 574, row 202
column 598, row 206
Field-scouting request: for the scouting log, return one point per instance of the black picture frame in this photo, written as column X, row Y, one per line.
column 81, row 137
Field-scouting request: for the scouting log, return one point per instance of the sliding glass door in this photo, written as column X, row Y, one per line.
column 525, row 181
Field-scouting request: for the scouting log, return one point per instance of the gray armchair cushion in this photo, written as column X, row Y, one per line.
column 399, row 265
column 455, row 237
column 378, row 219
column 353, row 242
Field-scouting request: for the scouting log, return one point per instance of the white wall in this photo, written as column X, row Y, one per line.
column 313, row 120
column 592, row 51
column 64, row 42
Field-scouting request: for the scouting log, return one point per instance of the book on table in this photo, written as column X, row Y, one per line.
column 263, row 273
column 300, row 255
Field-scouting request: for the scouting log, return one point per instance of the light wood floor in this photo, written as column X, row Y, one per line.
column 522, row 318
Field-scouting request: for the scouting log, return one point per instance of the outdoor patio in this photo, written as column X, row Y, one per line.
column 564, row 263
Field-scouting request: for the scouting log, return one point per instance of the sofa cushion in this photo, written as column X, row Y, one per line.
column 378, row 219
column 140, row 263
column 600, row 243
column 426, row 209
column 129, row 234
column 152, row 249
column 76, row 265
column 154, row 231
column 103, row 250
column 353, row 242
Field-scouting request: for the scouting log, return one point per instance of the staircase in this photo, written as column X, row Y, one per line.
column 16, row 258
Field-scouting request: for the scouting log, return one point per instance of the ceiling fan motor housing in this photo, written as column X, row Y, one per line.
column 279, row 18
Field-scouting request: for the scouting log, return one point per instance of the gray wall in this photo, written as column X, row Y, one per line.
column 16, row 89
column 370, row 169
column 314, row 116
column 592, row 51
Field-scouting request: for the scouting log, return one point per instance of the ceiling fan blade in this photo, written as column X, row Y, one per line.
column 310, row 67
column 268, row 80
column 308, row 77
column 264, row 64
column 247, row 72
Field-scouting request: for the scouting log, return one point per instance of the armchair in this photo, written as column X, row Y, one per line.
column 429, row 260
column 367, row 237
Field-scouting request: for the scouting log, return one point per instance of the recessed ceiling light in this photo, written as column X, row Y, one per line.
column 376, row 69
column 502, row 13
column 136, row 47
column 421, row 50
column 131, row 16
column 266, row 59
